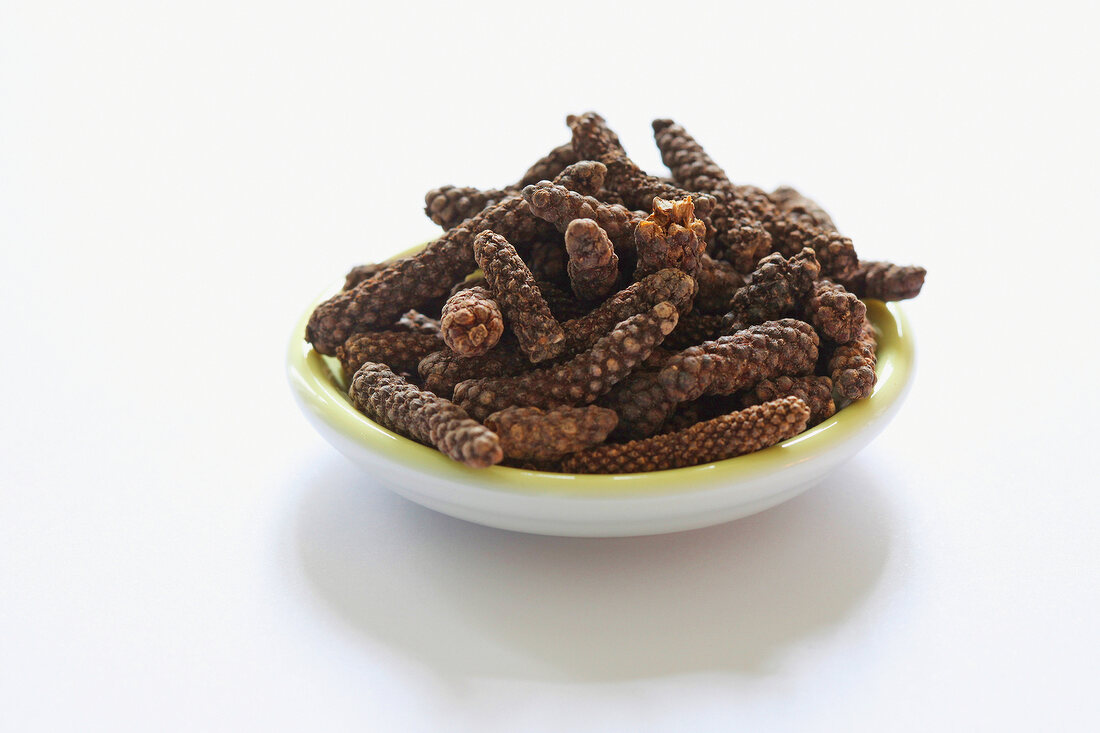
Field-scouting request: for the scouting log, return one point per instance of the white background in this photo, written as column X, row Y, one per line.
column 179, row 550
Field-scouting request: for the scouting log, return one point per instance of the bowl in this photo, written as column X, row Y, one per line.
column 597, row 505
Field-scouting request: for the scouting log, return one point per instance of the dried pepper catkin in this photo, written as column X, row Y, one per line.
column 559, row 206
column 550, row 165
column 670, row 237
column 884, row 280
column 641, row 402
column 775, row 289
column 513, row 287
column 735, row 362
column 442, row 370
column 531, row 433
column 816, row 392
column 669, row 285
column 401, row 351
column 580, row 380
column 412, row 281
column 449, row 206
column 740, row 214
column 593, row 139
column 359, row 273
column 852, row 365
column 394, row 403
column 718, row 282
column 789, row 200
column 593, row 266
column 723, row 437
column 836, row 313
column 472, row 322
column 695, row 328
column 430, row 273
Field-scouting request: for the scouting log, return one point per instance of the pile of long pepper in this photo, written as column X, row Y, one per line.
column 594, row 318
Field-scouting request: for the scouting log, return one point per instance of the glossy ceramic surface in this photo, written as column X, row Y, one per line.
column 585, row 505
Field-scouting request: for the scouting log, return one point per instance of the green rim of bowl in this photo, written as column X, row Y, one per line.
column 319, row 385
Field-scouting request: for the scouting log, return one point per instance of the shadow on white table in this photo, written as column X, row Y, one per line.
column 474, row 602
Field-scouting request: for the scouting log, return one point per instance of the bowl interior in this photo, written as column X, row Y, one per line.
column 320, row 388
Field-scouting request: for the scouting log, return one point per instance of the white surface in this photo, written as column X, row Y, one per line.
column 179, row 549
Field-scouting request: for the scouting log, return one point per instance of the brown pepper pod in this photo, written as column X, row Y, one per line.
column 775, row 289
column 410, row 282
column 670, row 237
column 442, row 370
column 884, row 280
column 641, row 402
column 718, row 282
column 401, row 351
column 550, row 165
column 837, row 314
column 852, row 365
column 429, row 274
column 816, row 392
column 580, row 380
column 593, row 266
column 528, row 433
column 789, row 200
column 723, row 437
column 695, row 328
column 792, row 232
column 359, row 273
column 735, row 362
column 740, row 214
column 472, row 322
column 449, row 206
column 594, row 140
column 514, row 289
column 394, row 403
column 559, row 206
column 669, row 285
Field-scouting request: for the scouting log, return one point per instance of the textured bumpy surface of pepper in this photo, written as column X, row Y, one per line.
column 789, row 200
column 550, row 165
column 562, row 304
column 449, row 206
column 723, row 437
column 718, row 282
column 410, row 282
column 394, row 403
column 816, row 392
column 442, row 370
column 740, row 213
column 731, row 363
column 836, row 313
column 852, row 365
column 580, row 380
column 791, row 232
column 559, row 206
column 359, row 273
column 670, row 237
column 531, row 433
column 472, row 322
column 514, row 289
column 642, row 404
column 884, row 280
column 669, row 285
column 593, row 139
column 593, row 265
column 775, row 289
column 401, row 351
column 695, row 328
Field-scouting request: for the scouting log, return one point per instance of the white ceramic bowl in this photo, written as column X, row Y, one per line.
column 603, row 506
